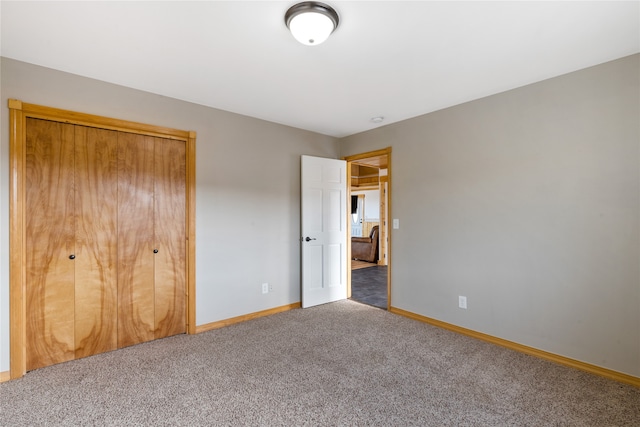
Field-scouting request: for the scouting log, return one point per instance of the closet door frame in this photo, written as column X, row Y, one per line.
column 18, row 114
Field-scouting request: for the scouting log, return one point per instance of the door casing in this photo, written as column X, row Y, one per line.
column 360, row 158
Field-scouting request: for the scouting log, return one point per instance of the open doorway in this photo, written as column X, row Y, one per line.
column 369, row 250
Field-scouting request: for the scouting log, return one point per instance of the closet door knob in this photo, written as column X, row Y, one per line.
column 155, row 251
column 72, row 256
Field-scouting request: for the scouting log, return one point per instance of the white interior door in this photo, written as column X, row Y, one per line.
column 357, row 218
column 324, row 230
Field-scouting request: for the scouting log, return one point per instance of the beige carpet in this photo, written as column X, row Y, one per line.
column 340, row 364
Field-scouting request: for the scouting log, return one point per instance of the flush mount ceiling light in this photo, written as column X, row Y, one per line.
column 311, row 22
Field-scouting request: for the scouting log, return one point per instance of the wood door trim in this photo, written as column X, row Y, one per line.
column 17, row 272
column 377, row 153
column 190, row 192
column 91, row 120
column 353, row 159
column 18, row 114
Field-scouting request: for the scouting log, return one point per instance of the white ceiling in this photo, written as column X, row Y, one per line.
column 387, row 58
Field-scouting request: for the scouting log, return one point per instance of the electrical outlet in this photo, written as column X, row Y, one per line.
column 270, row 287
column 462, row 302
column 265, row 288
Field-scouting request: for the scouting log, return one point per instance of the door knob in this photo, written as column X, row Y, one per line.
column 72, row 256
column 308, row 239
column 155, row 251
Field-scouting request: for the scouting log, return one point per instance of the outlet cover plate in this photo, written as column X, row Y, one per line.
column 462, row 302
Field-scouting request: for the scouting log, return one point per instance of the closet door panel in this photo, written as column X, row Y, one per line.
column 136, row 321
column 96, row 197
column 170, row 237
column 49, row 243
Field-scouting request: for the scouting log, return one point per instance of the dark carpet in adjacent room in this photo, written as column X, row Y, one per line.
column 369, row 286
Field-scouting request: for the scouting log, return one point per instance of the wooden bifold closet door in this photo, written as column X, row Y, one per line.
column 105, row 240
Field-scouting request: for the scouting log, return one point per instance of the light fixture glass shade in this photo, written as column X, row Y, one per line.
column 311, row 28
column 311, row 23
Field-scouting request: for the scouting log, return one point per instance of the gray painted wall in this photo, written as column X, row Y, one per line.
column 528, row 204
column 247, row 188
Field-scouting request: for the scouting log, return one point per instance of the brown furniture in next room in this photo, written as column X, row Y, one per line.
column 365, row 248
